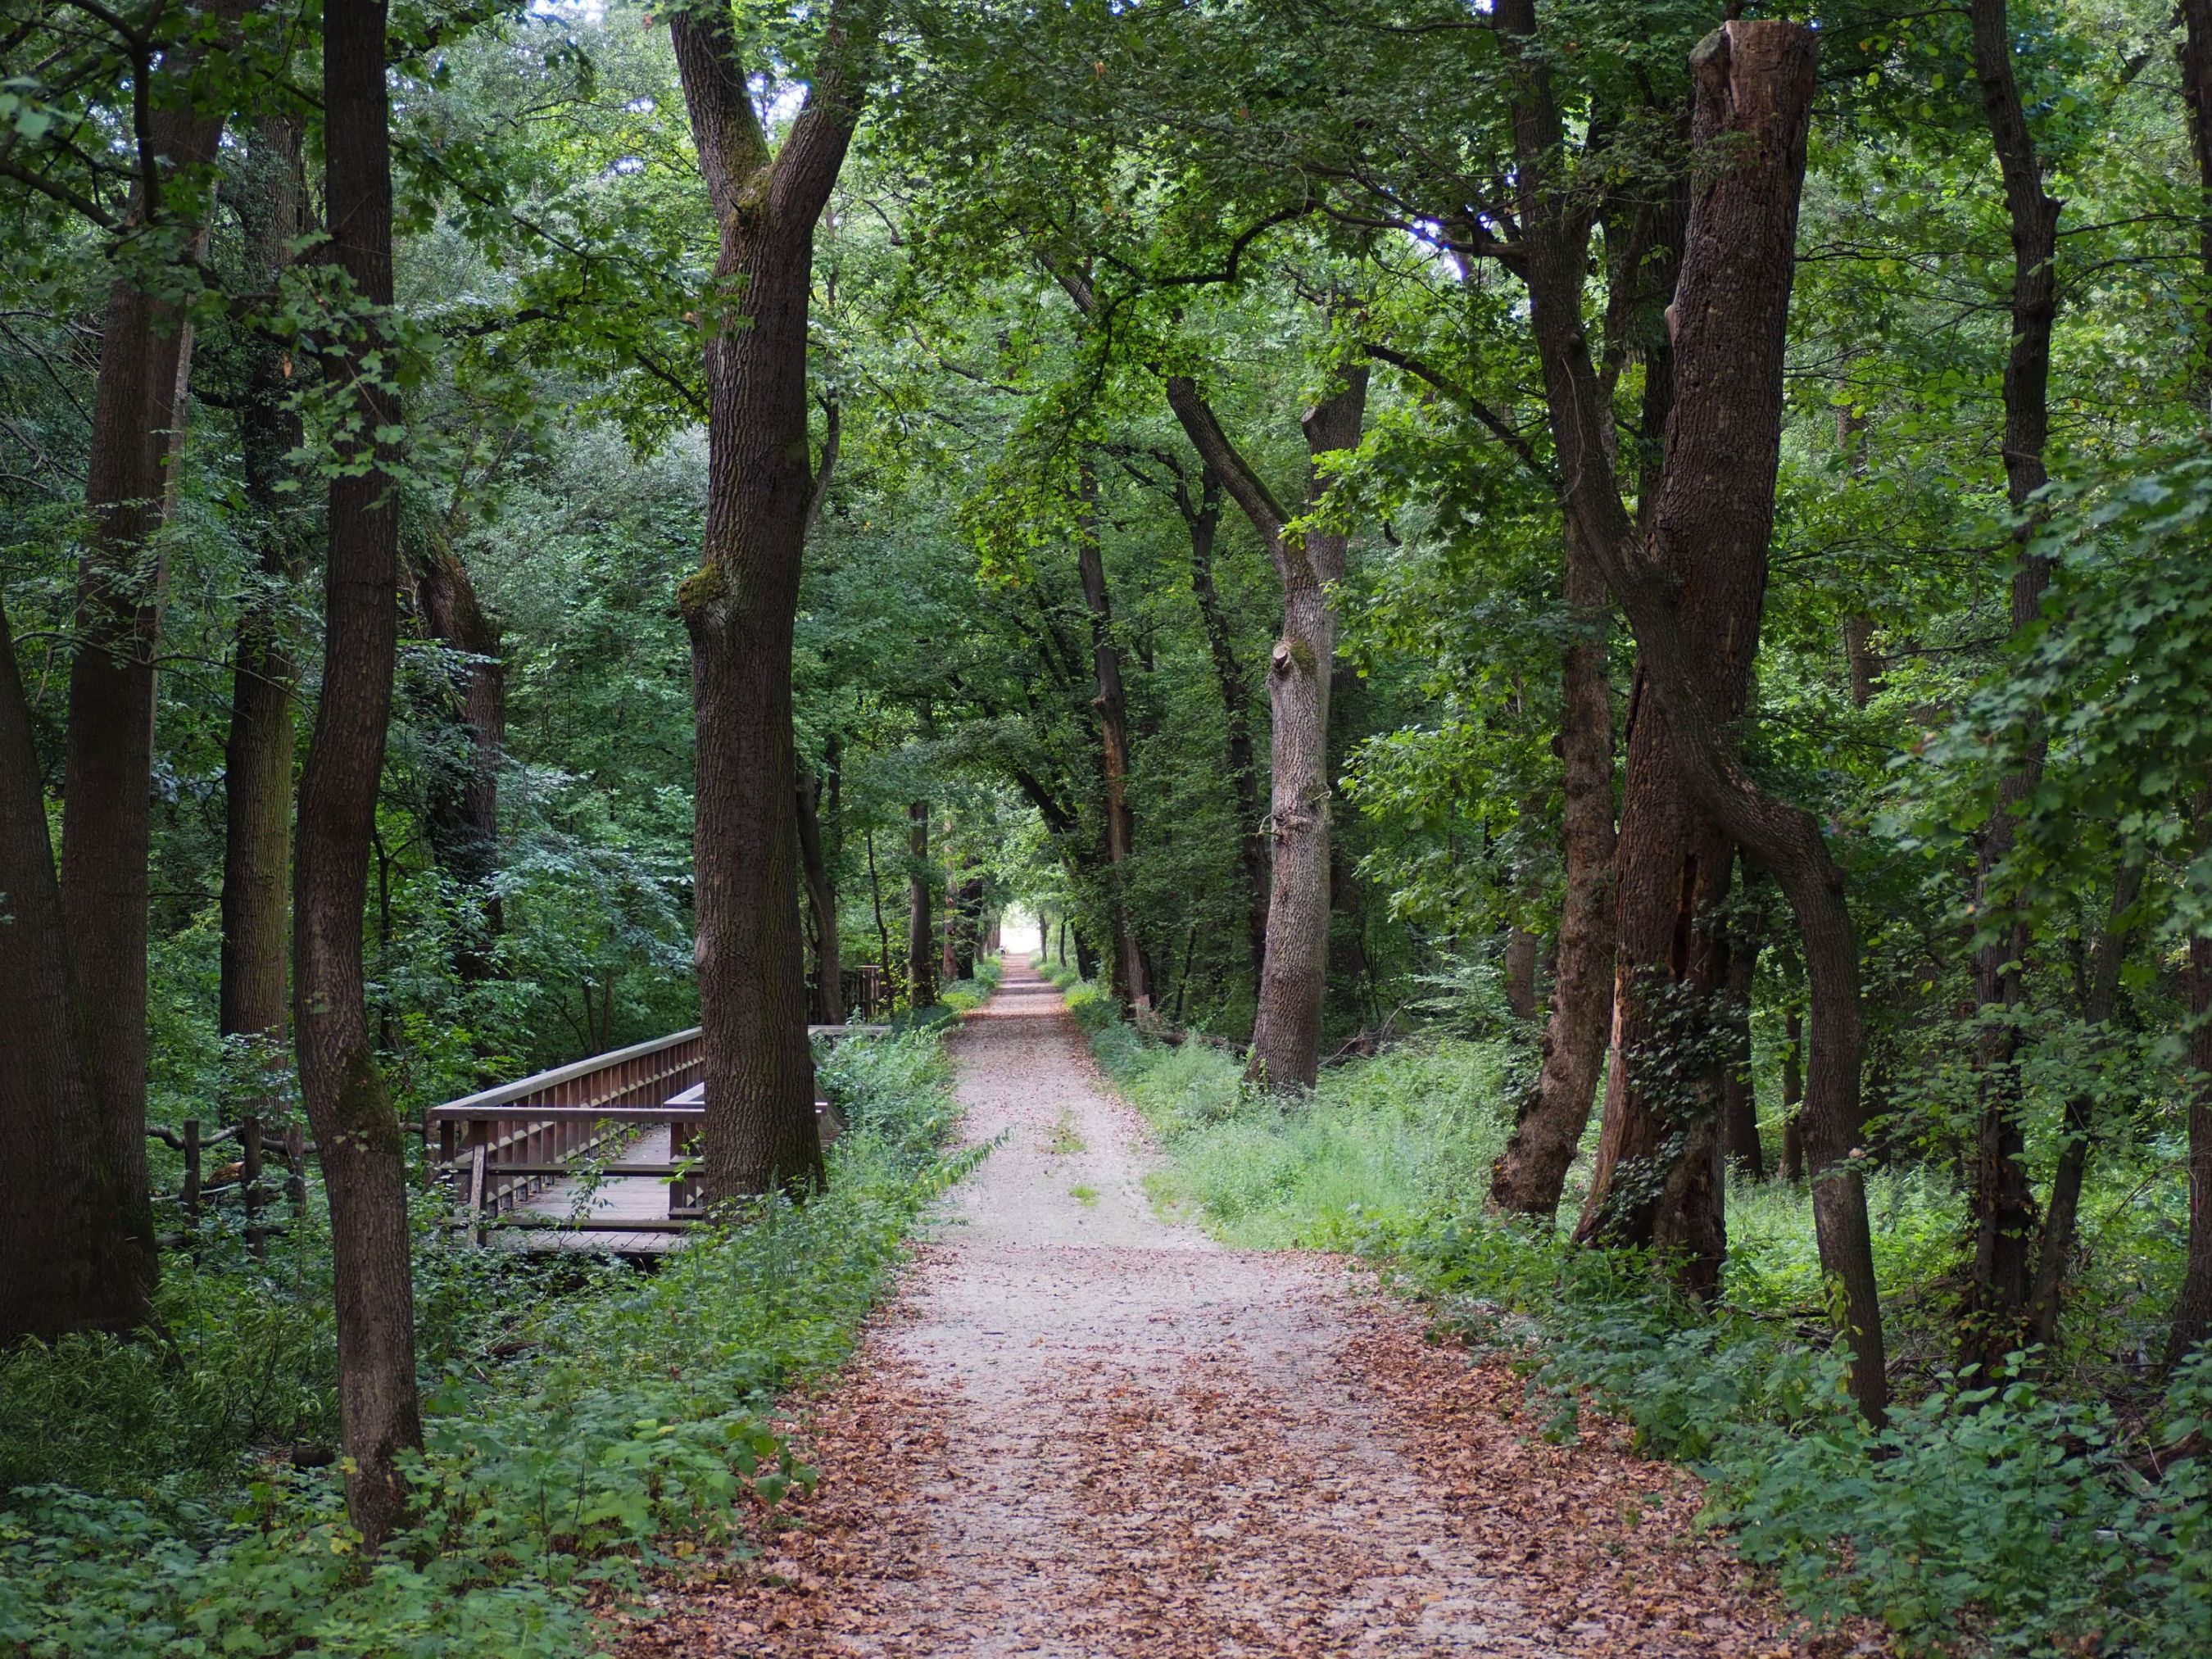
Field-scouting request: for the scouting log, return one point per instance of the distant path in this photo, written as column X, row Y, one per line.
column 1084, row 1432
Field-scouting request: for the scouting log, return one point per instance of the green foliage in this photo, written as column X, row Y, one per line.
column 581, row 1425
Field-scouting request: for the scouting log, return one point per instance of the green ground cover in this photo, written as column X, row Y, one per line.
column 585, row 1422
column 2060, row 1513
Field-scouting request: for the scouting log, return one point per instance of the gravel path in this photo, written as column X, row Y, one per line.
column 1085, row 1431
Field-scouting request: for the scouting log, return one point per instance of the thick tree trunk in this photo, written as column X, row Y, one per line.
column 921, row 933
column 1286, row 1034
column 1531, row 1173
column 2003, row 1202
column 2054, row 1251
column 1132, row 982
column 463, row 809
column 1754, row 86
column 67, row 1260
column 347, row 1105
column 829, row 1005
column 257, row 753
column 741, row 605
column 1230, row 677
column 1739, row 1100
column 145, row 359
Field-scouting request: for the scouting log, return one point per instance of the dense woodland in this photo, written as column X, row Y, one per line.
column 1643, row 564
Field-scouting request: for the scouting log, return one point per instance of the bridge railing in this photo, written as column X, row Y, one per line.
column 500, row 1146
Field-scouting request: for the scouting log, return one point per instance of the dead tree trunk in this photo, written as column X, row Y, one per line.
column 2003, row 1202
column 741, row 605
column 1286, row 1033
column 348, row 1105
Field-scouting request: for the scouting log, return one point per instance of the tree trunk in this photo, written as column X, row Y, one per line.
column 2003, row 1202
column 69, row 1260
column 257, row 753
column 145, row 359
column 2056, row 1247
column 741, row 605
column 1532, row 1171
column 1522, row 948
column 1739, row 1099
column 921, row 933
column 2192, row 1309
column 1754, row 86
column 1793, row 1096
column 347, row 1105
column 462, row 817
column 829, row 1006
column 1132, row 984
column 1286, row 1033
column 1204, row 519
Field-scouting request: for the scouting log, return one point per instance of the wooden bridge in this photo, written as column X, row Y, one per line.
column 592, row 1156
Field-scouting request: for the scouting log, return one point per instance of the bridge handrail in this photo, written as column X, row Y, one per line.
column 476, row 1105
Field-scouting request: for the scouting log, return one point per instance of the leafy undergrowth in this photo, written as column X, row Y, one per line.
column 1982, row 1520
column 582, row 1423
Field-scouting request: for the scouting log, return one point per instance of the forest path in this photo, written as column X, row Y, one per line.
column 1082, row 1430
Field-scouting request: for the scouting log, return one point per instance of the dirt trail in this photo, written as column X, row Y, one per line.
column 1085, row 1431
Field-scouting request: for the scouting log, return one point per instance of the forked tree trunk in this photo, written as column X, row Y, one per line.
column 2003, row 1201
column 1754, row 83
column 1132, row 981
column 741, row 605
column 347, row 1105
column 1286, row 1032
column 67, row 1260
column 258, row 751
column 1531, row 1173
column 921, row 933
column 145, row 358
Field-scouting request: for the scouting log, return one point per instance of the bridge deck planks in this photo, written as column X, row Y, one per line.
column 630, row 1199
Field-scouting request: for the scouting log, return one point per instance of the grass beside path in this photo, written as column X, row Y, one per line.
column 2023, row 1519
column 585, row 1422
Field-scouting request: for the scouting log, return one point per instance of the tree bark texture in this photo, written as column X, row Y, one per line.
column 258, row 751
column 67, row 1260
column 348, row 1105
column 1753, row 89
column 740, row 606
column 1531, row 1173
column 920, row 932
column 145, row 357
column 1233, row 682
column 1109, row 702
column 2002, row 1200
column 1793, row 1098
column 1286, row 1031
